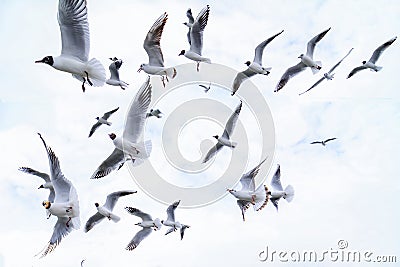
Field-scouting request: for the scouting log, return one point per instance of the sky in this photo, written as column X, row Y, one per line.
column 344, row 191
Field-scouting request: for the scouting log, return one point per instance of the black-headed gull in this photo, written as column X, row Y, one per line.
column 154, row 113
column 370, row 64
column 105, row 211
column 329, row 75
column 279, row 192
column 224, row 140
column 152, row 46
column 129, row 146
column 254, row 67
column 195, row 38
column 206, row 88
column 65, row 205
column 248, row 194
column 147, row 223
column 102, row 120
column 305, row 62
column 171, row 223
column 323, row 142
column 74, row 58
column 114, row 71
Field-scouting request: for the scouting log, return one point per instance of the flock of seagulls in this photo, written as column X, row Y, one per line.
column 63, row 202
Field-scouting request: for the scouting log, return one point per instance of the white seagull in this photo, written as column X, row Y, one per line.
column 152, row 46
column 171, row 223
column 65, row 205
column 154, row 113
column 148, row 225
column 323, row 142
column 206, row 88
column 74, row 58
column 195, row 37
column 248, row 194
column 129, row 147
column 102, row 120
column 254, row 67
column 279, row 192
column 370, row 64
column 224, row 140
column 105, row 211
column 114, row 70
column 329, row 75
column 305, row 61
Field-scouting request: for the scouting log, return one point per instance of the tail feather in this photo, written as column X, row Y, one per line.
column 289, row 193
column 158, row 224
column 115, row 218
column 148, row 146
column 97, row 73
column 378, row 68
column 234, row 144
column 170, row 72
column 316, row 70
column 265, row 197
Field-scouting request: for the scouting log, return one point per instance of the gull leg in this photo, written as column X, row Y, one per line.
column 68, row 221
column 87, row 77
column 166, row 77
column 163, row 82
column 83, row 84
column 253, row 200
column 198, row 66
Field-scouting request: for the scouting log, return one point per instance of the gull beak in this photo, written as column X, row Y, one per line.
column 139, row 70
column 39, row 61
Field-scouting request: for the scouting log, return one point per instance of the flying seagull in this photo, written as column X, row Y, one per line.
column 248, row 194
column 189, row 15
column 196, row 38
column 370, row 64
column 114, row 70
column 279, row 192
column 154, row 113
column 65, row 205
column 152, row 46
column 171, row 223
column 323, row 142
column 130, row 147
column 74, row 58
column 254, row 67
column 224, row 140
column 305, row 61
column 147, row 223
column 329, row 75
column 206, row 88
column 102, row 120
column 105, row 211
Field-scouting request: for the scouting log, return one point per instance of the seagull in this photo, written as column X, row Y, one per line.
column 206, row 88
column 370, row 64
column 74, row 58
column 154, row 113
column 305, row 61
column 329, row 75
column 152, row 46
column 248, row 194
column 128, row 148
column 171, row 223
column 279, row 193
column 254, row 67
column 106, row 210
column 224, row 140
column 195, row 37
column 147, row 223
column 114, row 70
column 102, row 120
column 82, row 263
column 323, row 142
column 65, row 205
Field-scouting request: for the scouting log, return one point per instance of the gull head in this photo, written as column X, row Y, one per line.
column 112, row 136
column 97, row 118
column 46, row 204
column 41, row 186
column 48, row 60
column 96, row 204
column 188, row 24
column 301, row 56
column 182, row 53
column 140, row 68
column 364, row 62
column 231, row 190
column 162, row 221
column 247, row 63
column 113, row 58
column 216, row 137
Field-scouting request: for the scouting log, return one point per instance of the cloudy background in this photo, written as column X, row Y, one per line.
column 347, row 190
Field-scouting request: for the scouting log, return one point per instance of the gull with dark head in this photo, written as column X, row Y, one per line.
column 114, row 70
column 306, row 61
column 147, row 223
column 195, row 37
column 154, row 113
column 279, row 192
column 152, row 46
column 224, row 140
column 74, row 58
column 105, row 211
column 171, row 223
column 101, row 121
column 65, row 205
column 324, row 141
column 370, row 64
column 130, row 146
column 254, row 67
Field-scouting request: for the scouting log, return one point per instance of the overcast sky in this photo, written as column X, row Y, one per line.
column 345, row 191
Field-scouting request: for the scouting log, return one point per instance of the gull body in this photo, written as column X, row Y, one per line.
column 114, row 71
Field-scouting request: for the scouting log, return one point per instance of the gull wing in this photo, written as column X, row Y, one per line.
column 112, row 198
column 337, row 64
column 212, row 152
column 260, row 48
column 94, row 220
column 311, row 44
column 314, row 85
column 42, row 175
column 74, row 27
column 378, row 52
column 189, row 15
column 290, row 73
column 197, row 29
column 60, row 231
column 355, row 70
column 152, row 41
column 94, row 128
column 276, row 180
column 316, row 142
column 139, row 213
column 240, row 78
column 171, row 211
column 142, row 234
column 108, row 114
column 330, row 139
column 231, row 123
column 114, row 70
column 183, row 228
column 243, row 205
column 113, row 161
column 247, row 179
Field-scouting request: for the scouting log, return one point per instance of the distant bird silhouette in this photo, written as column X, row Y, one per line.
column 323, row 142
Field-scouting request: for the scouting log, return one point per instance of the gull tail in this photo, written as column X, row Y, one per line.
column 316, row 69
column 97, row 73
column 234, row 144
column 170, row 72
column 377, row 68
column 146, row 147
column 114, row 218
column 289, row 190
column 75, row 223
column 264, row 193
column 109, row 123
column 158, row 224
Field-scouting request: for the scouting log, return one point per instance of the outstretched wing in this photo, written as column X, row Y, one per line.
column 337, row 64
column 260, row 48
column 290, row 73
column 108, row 114
column 113, row 161
column 212, row 152
column 112, row 198
column 142, row 234
column 171, row 211
column 378, row 52
column 314, row 85
column 42, row 175
column 276, row 180
column 247, row 179
column 355, row 70
column 231, row 123
column 60, row 231
column 94, row 220
column 240, row 78
column 152, row 42
column 197, row 29
column 311, row 44
column 139, row 213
